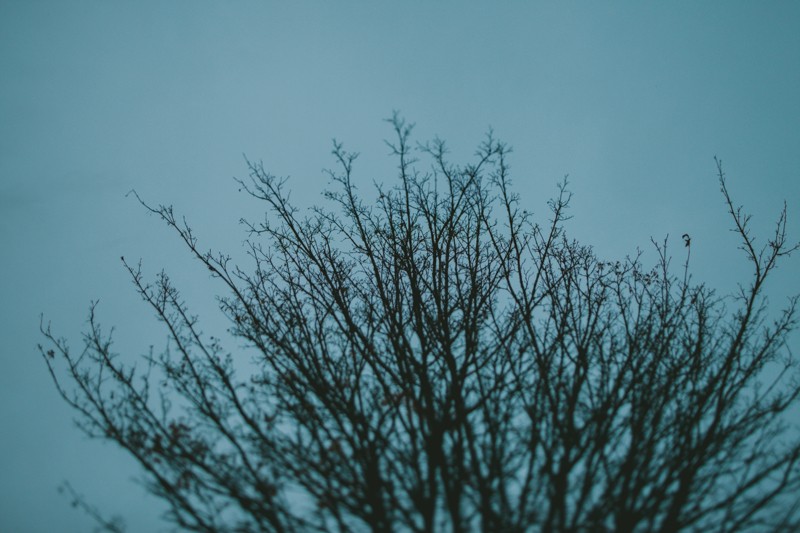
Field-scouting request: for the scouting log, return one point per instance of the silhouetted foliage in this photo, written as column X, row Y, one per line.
column 437, row 361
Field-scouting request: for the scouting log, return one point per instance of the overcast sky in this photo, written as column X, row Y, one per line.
column 631, row 99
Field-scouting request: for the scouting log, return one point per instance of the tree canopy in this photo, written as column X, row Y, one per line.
column 439, row 360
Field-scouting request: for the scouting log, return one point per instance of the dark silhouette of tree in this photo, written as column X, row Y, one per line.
column 437, row 361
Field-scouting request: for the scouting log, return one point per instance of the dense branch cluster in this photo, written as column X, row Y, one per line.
column 437, row 361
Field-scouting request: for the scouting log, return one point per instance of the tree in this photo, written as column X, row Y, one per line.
column 437, row 361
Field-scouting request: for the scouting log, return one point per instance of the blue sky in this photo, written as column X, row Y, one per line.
column 631, row 99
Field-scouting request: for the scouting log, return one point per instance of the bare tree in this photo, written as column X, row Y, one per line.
column 437, row 361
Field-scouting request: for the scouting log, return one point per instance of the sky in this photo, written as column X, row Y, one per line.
column 632, row 100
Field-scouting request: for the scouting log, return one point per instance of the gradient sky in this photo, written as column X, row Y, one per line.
column 631, row 99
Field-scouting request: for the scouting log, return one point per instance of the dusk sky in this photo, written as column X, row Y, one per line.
column 631, row 99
